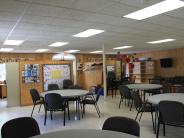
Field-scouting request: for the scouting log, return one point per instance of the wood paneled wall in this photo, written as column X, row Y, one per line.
column 25, row 96
column 91, row 77
column 178, row 63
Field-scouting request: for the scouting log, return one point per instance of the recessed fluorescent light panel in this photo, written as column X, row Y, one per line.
column 42, row 50
column 88, row 33
column 72, row 51
column 123, row 47
column 6, row 49
column 96, row 52
column 156, row 9
column 161, row 41
column 58, row 44
column 13, row 42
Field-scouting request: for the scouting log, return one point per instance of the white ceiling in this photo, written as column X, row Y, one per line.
column 42, row 22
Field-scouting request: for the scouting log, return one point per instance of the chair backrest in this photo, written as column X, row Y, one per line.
column 98, row 94
column 22, row 127
column 166, row 88
column 54, row 101
column 171, row 112
column 132, row 79
column 53, row 87
column 34, row 95
column 124, row 91
column 122, row 124
column 111, row 75
column 180, row 90
column 137, row 99
column 67, row 84
column 154, row 81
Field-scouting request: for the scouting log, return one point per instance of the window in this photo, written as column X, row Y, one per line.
column 2, row 72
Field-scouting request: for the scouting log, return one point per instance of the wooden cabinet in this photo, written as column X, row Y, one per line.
column 3, row 90
column 143, row 71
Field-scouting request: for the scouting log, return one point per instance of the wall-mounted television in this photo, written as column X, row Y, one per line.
column 166, row 62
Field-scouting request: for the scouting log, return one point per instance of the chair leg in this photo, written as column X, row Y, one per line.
column 39, row 108
column 140, row 116
column 64, row 117
column 163, row 129
column 68, row 110
column 45, row 117
column 112, row 93
column 152, row 120
column 158, row 127
column 131, row 105
column 32, row 110
column 51, row 115
column 97, row 110
column 83, row 110
column 120, row 102
column 137, row 115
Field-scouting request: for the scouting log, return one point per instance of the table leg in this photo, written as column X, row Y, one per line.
column 78, row 107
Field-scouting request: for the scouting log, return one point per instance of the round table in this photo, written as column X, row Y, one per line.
column 144, row 86
column 85, row 133
column 155, row 99
column 68, row 93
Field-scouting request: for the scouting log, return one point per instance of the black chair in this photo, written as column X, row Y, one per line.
column 142, row 107
column 37, row 99
column 155, row 80
column 68, row 84
column 180, row 90
column 53, row 87
column 91, row 101
column 54, row 102
column 125, row 94
column 170, row 113
column 166, row 88
column 22, row 127
column 122, row 124
column 111, row 85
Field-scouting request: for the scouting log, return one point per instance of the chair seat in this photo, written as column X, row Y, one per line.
column 39, row 102
column 87, row 101
column 147, row 108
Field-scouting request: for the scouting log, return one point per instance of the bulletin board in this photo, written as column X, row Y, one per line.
column 55, row 73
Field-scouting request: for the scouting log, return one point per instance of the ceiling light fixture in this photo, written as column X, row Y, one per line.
column 123, row 47
column 72, row 51
column 88, row 33
column 6, row 49
column 156, row 9
column 13, row 42
column 96, row 51
column 42, row 50
column 58, row 44
column 161, row 41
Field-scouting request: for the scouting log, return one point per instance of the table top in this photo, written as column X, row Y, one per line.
column 144, row 86
column 155, row 99
column 68, row 92
column 85, row 133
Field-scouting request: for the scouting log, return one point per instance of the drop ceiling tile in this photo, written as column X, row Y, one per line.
column 118, row 9
column 12, row 6
column 91, row 5
column 167, row 21
column 36, row 19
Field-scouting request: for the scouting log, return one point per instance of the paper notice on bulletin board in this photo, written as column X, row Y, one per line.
column 55, row 74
